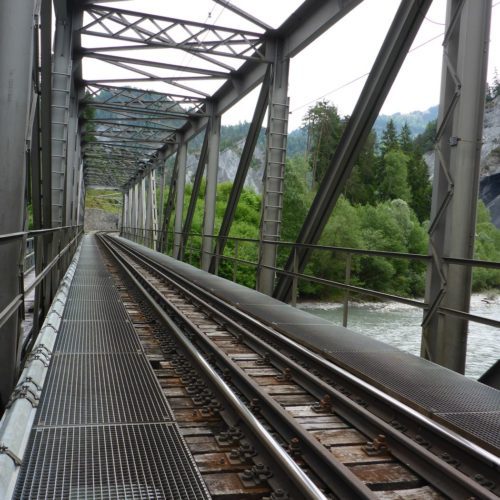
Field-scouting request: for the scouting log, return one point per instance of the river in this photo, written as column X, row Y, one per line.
column 399, row 325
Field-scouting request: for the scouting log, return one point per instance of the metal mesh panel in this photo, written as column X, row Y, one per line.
column 97, row 336
column 485, row 426
column 104, row 293
column 101, row 388
column 424, row 383
column 95, row 310
column 110, row 462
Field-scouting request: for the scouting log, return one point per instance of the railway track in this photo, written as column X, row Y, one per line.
column 264, row 417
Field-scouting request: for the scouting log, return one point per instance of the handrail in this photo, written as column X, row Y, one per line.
column 34, row 232
column 18, row 301
column 142, row 234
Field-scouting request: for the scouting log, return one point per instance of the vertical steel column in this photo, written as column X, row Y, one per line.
column 151, row 210
column 135, row 212
column 46, row 138
column 16, row 42
column 161, row 212
column 81, row 198
column 141, row 209
column 78, row 177
column 272, row 196
column 61, row 91
column 181, row 162
column 130, row 215
column 207, row 243
column 125, row 210
column 71, row 159
column 456, row 178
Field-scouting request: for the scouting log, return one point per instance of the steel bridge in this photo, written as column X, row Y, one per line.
column 127, row 373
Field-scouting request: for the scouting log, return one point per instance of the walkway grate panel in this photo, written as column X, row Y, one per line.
column 110, row 462
column 95, row 310
column 87, row 389
column 91, row 336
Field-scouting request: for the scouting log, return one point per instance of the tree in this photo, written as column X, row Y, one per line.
column 360, row 187
column 325, row 129
column 389, row 138
column 420, row 187
column 405, row 141
column 394, row 183
column 296, row 197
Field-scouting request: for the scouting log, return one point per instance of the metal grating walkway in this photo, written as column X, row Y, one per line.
column 103, row 428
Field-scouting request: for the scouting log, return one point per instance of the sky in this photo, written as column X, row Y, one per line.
column 334, row 67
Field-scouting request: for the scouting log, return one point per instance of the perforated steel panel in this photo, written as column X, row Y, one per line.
column 104, row 293
column 110, row 462
column 426, row 384
column 108, row 310
column 101, row 388
column 482, row 425
column 92, row 336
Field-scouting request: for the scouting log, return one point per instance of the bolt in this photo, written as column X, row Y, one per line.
column 247, row 474
column 294, row 446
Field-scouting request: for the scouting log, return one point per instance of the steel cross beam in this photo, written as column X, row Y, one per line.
column 149, row 31
column 316, row 16
column 129, row 94
column 391, row 56
column 130, row 63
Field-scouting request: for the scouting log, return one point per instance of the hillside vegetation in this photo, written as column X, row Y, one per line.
column 385, row 206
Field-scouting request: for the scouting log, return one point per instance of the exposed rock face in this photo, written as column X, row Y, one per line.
column 99, row 220
column 228, row 165
column 489, row 190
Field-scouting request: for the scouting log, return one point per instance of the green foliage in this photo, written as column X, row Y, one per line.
column 361, row 186
column 394, row 182
column 416, row 120
column 386, row 206
column 325, row 128
column 108, row 200
column 425, row 141
column 487, row 247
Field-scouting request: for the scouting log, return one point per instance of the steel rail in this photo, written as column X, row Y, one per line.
column 294, row 472
column 332, row 472
column 375, row 424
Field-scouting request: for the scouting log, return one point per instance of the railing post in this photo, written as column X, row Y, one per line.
column 295, row 281
column 235, row 261
column 217, row 258
column 345, row 311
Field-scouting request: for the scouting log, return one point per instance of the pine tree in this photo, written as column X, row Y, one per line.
column 325, row 129
column 389, row 138
column 405, row 141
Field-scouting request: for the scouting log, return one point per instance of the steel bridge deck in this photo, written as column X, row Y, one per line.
column 103, row 428
column 467, row 407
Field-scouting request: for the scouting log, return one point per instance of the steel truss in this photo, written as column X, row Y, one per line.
column 105, row 132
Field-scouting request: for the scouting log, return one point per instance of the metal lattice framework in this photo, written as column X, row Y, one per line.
column 128, row 125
